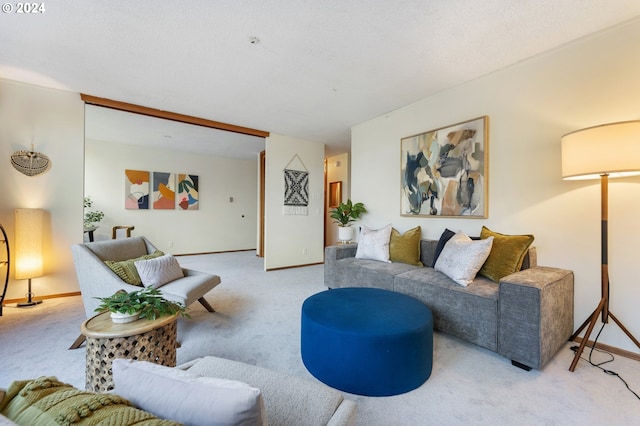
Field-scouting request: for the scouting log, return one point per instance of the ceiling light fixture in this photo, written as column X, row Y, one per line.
column 254, row 40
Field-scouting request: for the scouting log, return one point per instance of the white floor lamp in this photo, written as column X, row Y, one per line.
column 606, row 151
column 28, row 248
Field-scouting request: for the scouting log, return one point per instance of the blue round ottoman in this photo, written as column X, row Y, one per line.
column 367, row 341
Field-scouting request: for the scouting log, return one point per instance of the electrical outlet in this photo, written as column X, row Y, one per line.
column 170, row 244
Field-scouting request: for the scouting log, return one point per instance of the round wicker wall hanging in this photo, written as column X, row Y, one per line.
column 30, row 163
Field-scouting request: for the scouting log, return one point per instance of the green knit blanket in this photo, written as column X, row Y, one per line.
column 47, row 401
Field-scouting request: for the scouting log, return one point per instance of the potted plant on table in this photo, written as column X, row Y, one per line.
column 146, row 303
column 343, row 215
column 91, row 217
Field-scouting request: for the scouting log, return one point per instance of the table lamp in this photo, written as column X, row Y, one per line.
column 605, row 151
column 28, row 248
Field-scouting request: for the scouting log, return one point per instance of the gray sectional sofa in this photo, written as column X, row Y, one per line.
column 526, row 317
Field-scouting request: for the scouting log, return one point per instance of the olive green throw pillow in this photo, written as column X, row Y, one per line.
column 507, row 254
column 126, row 269
column 47, row 401
column 405, row 248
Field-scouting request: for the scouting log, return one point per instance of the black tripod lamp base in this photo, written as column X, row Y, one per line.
column 29, row 303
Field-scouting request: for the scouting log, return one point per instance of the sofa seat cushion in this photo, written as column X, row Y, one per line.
column 190, row 288
column 480, row 286
column 470, row 313
column 352, row 272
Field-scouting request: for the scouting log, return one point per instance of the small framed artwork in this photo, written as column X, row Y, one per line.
column 188, row 195
column 136, row 189
column 335, row 193
column 444, row 172
column 164, row 192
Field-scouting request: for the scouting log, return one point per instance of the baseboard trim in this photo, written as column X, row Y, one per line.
column 294, row 266
column 622, row 352
column 213, row 252
column 48, row 296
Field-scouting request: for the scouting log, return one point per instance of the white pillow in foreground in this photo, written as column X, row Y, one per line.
column 462, row 258
column 174, row 394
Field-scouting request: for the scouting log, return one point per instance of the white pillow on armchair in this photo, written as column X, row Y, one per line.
column 159, row 271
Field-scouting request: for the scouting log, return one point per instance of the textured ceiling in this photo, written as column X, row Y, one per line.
column 318, row 68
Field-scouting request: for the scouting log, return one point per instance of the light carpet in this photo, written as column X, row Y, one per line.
column 258, row 322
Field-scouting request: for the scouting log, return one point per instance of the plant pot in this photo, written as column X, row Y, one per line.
column 345, row 234
column 120, row 318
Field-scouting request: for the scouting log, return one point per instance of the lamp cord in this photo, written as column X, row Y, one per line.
column 600, row 364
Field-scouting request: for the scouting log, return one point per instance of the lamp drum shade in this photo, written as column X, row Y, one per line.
column 612, row 149
column 28, row 245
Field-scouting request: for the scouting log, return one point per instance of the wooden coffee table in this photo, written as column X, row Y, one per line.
column 143, row 340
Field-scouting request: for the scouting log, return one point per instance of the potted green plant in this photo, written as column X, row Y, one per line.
column 91, row 217
column 146, row 303
column 343, row 215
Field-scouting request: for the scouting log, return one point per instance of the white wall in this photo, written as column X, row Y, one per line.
column 218, row 224
column 337, row 171
column 531, row 105
column 54, row 122
column 292, row 240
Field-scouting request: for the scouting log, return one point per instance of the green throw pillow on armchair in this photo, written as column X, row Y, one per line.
column 507, row 254
column 126, row 269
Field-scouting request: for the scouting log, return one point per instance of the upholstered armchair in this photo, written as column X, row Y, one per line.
column 96, row 279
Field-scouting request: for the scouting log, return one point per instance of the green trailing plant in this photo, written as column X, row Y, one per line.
column 91, row 217
column 347, row 212
column 148, row 301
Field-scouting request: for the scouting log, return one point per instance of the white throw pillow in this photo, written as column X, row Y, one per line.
column 462, row 258
column 174, row 394
column 374, row 244
column 159, row 271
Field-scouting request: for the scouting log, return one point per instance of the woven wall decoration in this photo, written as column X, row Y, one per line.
column 296, row 190
column 30, row 163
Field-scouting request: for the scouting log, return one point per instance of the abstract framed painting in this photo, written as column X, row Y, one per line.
column 136, row 189
column 164, row 191
column 444, row 172
column 188, row 195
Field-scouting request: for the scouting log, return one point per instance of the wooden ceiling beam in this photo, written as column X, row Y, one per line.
column 152, row 112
